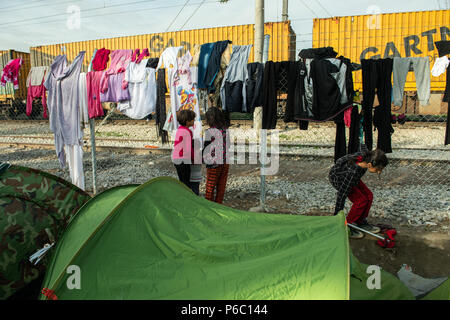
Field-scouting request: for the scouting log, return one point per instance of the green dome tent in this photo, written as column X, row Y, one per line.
column 35, row 207
column 160, row 241
column 440, row 293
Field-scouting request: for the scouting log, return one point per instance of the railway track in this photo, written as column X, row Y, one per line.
column 146, row 141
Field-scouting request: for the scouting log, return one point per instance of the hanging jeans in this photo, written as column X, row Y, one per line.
column 446, row 98
column 421, row 67
column 377, row 75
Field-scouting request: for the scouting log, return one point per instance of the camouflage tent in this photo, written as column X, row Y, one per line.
column 35, row 207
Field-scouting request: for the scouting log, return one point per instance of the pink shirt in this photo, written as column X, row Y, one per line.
column 93, row 93
column 11, row 73
column 101, row 59
column 119, row 62
column 183, row 142
column 36, row 92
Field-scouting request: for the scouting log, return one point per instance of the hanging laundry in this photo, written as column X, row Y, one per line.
column 95, row 108
column 152, row 63
column 354, row 132
column 446, row 98
column 205, row 54
column 184, row 86
column 74, row 157
column 83, row 98
column 63, row 104
column 296, row 72
column 101, row 58
column 440, row 65
column 214, row 97
column 10, row 73
column 325, row 89
column 233, row 91
column 270, row 80
column 195, row 55
column 421, row 66
column 116, row 91
column 35, row 84
column 119, row 63
column 37, row 75
column 92, row 60
column 340, row 148
column 161, row 90
column 214, row 64
column 443, row 47
column 138, row 56
column 168, row 59
column 254, row 83
column 376, row 75
column 142, row 88
column 318, row 53
column 348, row 117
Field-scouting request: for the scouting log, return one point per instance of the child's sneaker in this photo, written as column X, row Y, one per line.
column 366, row 226
column 355, row 234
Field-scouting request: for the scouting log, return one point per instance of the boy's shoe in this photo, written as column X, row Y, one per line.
column 354, row 234
column 366, row 226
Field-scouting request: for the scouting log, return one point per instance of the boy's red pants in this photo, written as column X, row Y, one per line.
column 216, row 178
column 362, row 198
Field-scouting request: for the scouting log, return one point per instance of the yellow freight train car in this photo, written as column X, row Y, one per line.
column 281, row 47
column 406, row 34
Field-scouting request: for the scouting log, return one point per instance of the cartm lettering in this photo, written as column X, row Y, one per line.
column 198, row 310
column 411, row 45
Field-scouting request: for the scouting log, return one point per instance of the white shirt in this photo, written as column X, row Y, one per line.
column 440, row 66
column 142, row 87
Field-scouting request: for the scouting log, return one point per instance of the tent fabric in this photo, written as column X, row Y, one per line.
column 35, row 207
column 440, row 293
column 161, row 241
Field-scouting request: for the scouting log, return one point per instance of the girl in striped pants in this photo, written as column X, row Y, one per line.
column 215, row 150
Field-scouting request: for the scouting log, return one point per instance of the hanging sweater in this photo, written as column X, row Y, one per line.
column 119, row 63
column 35, row 83
column 63, row 103
column 11, row 73
column 100, row 61
column 233, row 90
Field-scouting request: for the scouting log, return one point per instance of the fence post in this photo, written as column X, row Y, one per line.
column 93, row 152
column 94, row 156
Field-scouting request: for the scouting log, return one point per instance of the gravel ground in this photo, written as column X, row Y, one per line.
column 299, row 187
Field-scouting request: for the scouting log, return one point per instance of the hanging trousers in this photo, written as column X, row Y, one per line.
column 421, row 66
column 446, row 98
column 362, row 199
column 353, row 141
column 377, row 76
column 216, row 179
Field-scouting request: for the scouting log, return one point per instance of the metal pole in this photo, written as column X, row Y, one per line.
column 259, row 30
column 284, row 15
column 94, row 156
column 259, row 46
column 93, row 152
